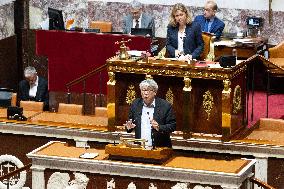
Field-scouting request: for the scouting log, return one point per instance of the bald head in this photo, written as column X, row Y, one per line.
column 210, row 9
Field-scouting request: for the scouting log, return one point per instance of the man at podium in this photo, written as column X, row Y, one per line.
column 151, row 117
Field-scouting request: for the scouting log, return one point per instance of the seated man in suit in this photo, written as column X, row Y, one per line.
column 33, row 88
column 152, row 118
column 208, row 21
column 137, row 19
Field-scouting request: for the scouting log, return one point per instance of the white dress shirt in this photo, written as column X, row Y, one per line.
column 33, row 88
column 134, row 22
column 146, row 127
column 181, row 37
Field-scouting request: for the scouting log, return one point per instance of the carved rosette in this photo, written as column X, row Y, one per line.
column 9, row 163
column 208, row 103
column 111, row 80
column 237, row 100
column 170, row 96
column 187, row 84
column 130, row 95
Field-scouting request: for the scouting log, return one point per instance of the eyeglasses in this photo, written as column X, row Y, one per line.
column 208, row 10
column 147, row 90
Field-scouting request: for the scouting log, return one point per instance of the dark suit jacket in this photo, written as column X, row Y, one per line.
column 217, row 26
column 193, row 42
column 147, row 21
column 41, row 94
column 163, row 114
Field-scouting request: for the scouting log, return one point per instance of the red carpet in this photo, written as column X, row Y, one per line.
column 275, row 106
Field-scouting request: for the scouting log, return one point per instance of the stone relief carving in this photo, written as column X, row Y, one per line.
column 152, row 186
column 201, row 187
column 9, row 163
column 58, row 180
column 111, row 184
column 180, row 186
column 131, row 186
column 61, row 181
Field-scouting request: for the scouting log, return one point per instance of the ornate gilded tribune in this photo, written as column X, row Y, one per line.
column 208, row 100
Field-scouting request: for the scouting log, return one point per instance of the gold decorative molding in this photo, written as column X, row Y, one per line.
column 187, row 84
column 130, row 95
column 237, row 99
column 208, row 103
column 111, row 80
column 227, row 88
column 170, row 96
column 169, row 68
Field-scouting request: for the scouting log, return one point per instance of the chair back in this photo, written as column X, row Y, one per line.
column 73, row 109
column 277, row 51
column 32, row 106
column 103, row 26
column 7, row 97
column 207, row 39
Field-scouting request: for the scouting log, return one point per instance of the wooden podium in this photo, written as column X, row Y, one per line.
column 208, row 101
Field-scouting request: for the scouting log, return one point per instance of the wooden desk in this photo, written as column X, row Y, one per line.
column 56, row 156
column 206, row 100
column 244, row 50
column 62, row 120
column 268, row 151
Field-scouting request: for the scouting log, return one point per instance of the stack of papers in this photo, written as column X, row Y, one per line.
column 225, row 43
column 89, row 155
column 243, row 40
column 135, row 53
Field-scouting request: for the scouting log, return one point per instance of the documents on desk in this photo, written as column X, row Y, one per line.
column 228, row 43
column 135, row 53
column 245, row 40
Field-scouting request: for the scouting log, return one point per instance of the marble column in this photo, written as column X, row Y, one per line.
column 38, row 177
column 261, row 167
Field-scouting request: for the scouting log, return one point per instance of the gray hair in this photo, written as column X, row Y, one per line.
column 149, row 83
column 135, row 4
column 29, row 71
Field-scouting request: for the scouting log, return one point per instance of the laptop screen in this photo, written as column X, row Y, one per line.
column 142, row 31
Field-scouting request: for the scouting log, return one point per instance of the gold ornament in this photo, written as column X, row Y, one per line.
column 208, row 103
column 237, row 100
column 130, row 95
column 170, row 96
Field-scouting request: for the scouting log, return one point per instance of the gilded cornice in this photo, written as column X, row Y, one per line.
column 169, row 68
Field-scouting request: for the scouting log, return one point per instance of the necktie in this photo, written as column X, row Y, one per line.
column 206, row 25
column 137, row 24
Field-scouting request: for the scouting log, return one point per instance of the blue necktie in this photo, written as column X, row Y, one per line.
column 206, row 25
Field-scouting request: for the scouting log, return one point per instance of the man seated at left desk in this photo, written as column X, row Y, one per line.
column 137, row 19
column 33, row 87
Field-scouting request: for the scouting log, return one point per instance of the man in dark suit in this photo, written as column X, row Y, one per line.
column 33, row 88
column 209, row 22
column 152, row 118
column 137, row 19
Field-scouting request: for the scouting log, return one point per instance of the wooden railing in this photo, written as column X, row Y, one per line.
column 83, row 79
column 15, row 172
column 260, row 183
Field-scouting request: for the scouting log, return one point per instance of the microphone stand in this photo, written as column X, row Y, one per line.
column 153, row 139
column 152, row 135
